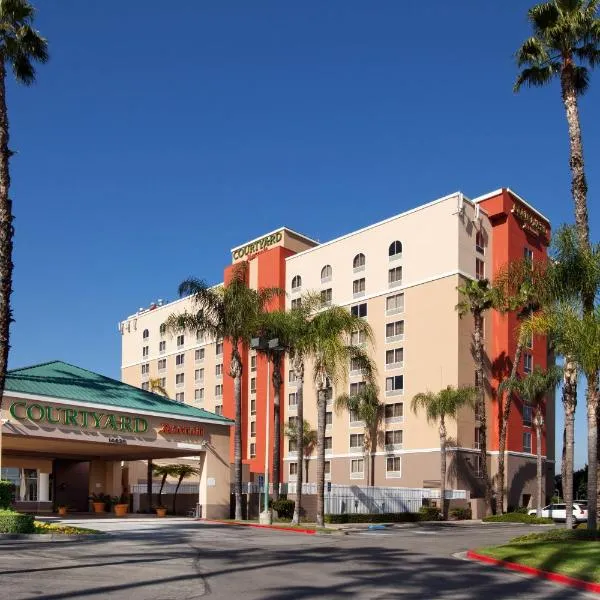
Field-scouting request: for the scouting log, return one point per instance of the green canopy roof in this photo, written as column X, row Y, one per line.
column 57, row 379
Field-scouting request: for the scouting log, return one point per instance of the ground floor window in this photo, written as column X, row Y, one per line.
column 357, row 468
column 25, row 482
column 393, row 466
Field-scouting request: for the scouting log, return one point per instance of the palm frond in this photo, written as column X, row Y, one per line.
column 543, row 16
column 536, row 76
column 581, row 80
column 532, row 52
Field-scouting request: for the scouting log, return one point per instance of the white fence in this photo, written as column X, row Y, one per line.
column 184, row 488
column 342, row 499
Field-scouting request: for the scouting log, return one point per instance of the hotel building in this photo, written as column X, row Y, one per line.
column 401, row 275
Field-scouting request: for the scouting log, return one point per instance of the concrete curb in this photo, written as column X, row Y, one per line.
column 565, row 580
column 52, row 537
column 258, row 526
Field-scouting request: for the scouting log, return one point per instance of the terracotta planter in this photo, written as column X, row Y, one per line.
column 161, row 512
column 98, row 507
column 121, row 509
column 62, row 511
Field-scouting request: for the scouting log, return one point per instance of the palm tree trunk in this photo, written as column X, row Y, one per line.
column 321, row 418
column 276, row 423
column 236, row 373
column 299, row 372
column 6, row 235
column 149, row 485
column 372, row 457
column 569, row 400
column 443, row 468
column 504, row 430
column 162, row 485
column 592, row 409
column 175, row 494
column 306, row 464
column 538, row 448
column 478, row 345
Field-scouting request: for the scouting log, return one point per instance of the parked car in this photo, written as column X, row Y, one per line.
column 558, row 512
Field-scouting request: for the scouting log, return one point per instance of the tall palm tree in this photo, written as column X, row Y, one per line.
column 163, row 471
column 533, row 388
column 477, row 297
column 20, row 47
column 438, row 407
column 565, row 45
column 231, row 312
column 182, row 471
column 366, row 407
column 309, row 440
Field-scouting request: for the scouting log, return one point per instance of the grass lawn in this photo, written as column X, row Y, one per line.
column 579, row 559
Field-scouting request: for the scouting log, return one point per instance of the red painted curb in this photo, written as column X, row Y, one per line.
column 555, row 577
column 258, row 526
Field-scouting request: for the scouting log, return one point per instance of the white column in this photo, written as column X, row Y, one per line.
column 43, row 487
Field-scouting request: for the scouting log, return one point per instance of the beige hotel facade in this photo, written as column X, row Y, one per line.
column 401, row 275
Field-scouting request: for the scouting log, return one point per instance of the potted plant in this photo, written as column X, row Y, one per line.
column 161, row 511
column 121, row 504
column 99, row 502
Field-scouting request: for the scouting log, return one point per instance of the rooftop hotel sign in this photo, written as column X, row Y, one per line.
column 253, row 247
column 80, row 418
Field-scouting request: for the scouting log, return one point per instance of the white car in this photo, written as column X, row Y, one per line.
column 558, row 512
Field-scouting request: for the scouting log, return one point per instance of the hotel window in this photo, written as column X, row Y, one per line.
column 253, row 450
column 293, row 399
column 199, row 336
column 394, row 304
column 252, row 428
column 527, row 362
column 145, row 352
column 326, row 296
column 162, row 330
column 292, row 376
column 357, row 440
column 527, row 442
column 355, row 365
column 356, row 388
column 328, row 419
column 218, row 409
column 529, row 341
column 359, row 310
column 296, row 303
column 179, row 378
column 393, row 466
column 293, row 445
column 394, row 411
column 479, row 269
column 162, row 346
column 179, row 360
column 326, row 273
column 358, row 264
column 219, row 390
column 252, row 406
column 477, row 437
column 394, row 331
column 293, row 422
column 199, row 355
column 393, row 439
column 253, row 385
column 395, row 250
column 219, row 348
column 146, row 386
column 199, row 375
column 180, row 397
column 180, row 341
column 219, row 370
column 328, row 393
column 145, row 368
column 394, row 385
column 354, row 417
column 357, row 338
column 293, row 470
column 528, row 254
column 296, row 283
column 253, row 363
column 394, row 357
column 146, row 334
column 162, row 364
column 395, row 277
column 328, row 443
column 479, row 242
column 527, row 415
column 358, row 287
column 327, row 469
column 199, row 394
column 357, row 468
column 163, row 382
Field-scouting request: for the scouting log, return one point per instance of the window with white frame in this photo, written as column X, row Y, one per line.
column 326, row 273
column 253, row 385
column 327, row 469
column 199, row 394
column 527, row 415
column 395, row 250
column 328, row 419
column 145, row 368
column 145, row 334
column 394, row 385
column 292, row 376
column 219, row 409
column 355, row 365
column 357, row 338
column 477, row 438
column 296, row 303
column 354, row 416
column 180, row 396
column 528, row 254
column 199, row 375
column 328, row 393
column 527, row 442
column 357, row 387
column 293, row 470
column 179, row 360
column 326, row 297
column 395, row 277
column 199, row 354
column 293, row 399
column 162, row 330
column 357, row 468
column 357, row 441
column 394, row 331
column 328, row 443
column 393, row 439
column 253, row 362
column 479, row 269
column 358, row 264
column 479, row 242
column 180, row 341
column 296, row 283
column 253, row 450
column 219, row 348
column 199, row 337
column 358, row 287
column 145, row 351
column 146, row 386
column 162, row 346
column 359, row 310
column 252, row 428
column 163, row 382
column 394, row 411
column 293, row 445
column 252, row 406
column 179, row 379
column 529, row 341
column 394, row 304
column 527, row 362
column 293, row 422
column 219, row 390
column 393, row 466
column 394, row 358
column 219, row 369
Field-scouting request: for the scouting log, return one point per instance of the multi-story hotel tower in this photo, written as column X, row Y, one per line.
column 402, row 275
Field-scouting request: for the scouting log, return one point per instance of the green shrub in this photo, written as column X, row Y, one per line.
column 460, row 514
column 559, row 535
column 6, row 492
column 14, row 522
column 373, row 518
column 430, row 513
column 517, row 517
column 284, row 508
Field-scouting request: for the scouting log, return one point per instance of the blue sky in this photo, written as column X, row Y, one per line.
column 156, row 140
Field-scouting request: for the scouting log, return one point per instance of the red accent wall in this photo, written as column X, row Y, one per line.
column 509, row 239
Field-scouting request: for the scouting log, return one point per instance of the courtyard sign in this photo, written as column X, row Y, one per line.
column 191, row 430
column 257, row 246
column 529, row 221
column 53, row 415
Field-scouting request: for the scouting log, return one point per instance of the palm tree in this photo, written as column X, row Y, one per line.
column 476, row 298
column 366, row 407
column 156, row 387
column 309, row 440
column 438, row 407
column 233, row 313
column 163, row 471
column 182, row 471
column 533, row 389
column 565, row 45
column 20, row 47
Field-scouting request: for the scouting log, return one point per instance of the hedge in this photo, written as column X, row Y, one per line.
column 460, row 514
column 516, row 517
column 430, row 513
column 373, row 518
column 14, row 522
column 284, row 508
column 6, row 491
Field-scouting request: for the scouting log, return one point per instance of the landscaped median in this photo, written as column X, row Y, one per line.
column 517, row 517
column 15, row 525
column 570, row 557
